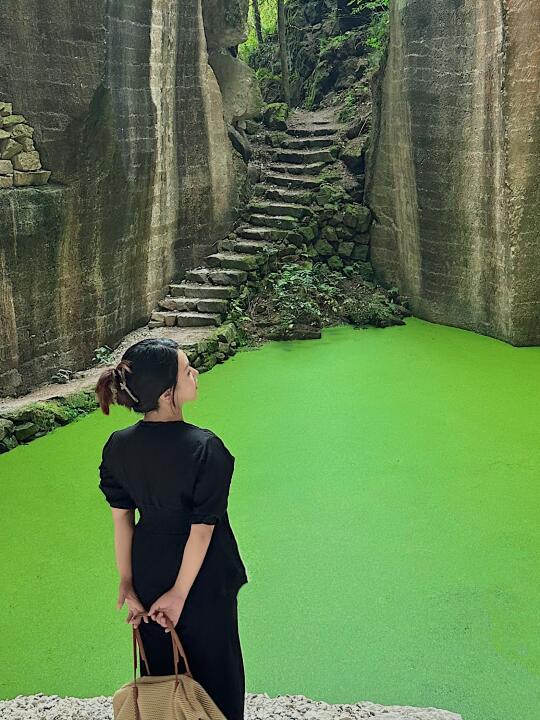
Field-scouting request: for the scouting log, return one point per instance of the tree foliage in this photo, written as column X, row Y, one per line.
column 268, row 14
column 378, row 27
column 359, row 5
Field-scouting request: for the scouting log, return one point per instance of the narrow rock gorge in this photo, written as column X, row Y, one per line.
column 130, row 120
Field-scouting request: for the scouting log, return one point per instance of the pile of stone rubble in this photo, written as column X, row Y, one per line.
column 20, row 164
column 257, row 707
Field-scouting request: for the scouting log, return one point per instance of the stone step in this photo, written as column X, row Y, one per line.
column 294, row 181
column 233, row 260
column 282, row 222
column 308, row 130
column 202, row 290
column 261, row 233
column 280, row 208
column 191, row 319
column 252, row 246
column 285, row 194
column 217, row 305
column 305, row 156
column 316, row 120
column 316, row 141
column 285, row 168
column 216, row 276
column 185, row 319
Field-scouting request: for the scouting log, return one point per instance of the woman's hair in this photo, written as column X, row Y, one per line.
column 145, row 371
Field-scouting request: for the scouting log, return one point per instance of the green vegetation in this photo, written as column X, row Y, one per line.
column 359, row 5
column 103, row 355
column 264, row 73
column 275, row 116
column 378, row 28
column 268, row 12
column 351, row 103
column 304, row 293
column 328, row 176
column 334, row 42
column 329, row 61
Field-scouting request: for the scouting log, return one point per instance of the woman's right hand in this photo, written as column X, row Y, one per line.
column 168, row 606
column 126, row 594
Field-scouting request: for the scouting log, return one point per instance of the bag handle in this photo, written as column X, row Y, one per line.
column 176, row 646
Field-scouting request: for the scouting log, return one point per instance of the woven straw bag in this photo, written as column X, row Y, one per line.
column 164, row 697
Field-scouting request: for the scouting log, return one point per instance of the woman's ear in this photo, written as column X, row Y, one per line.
column 168, row 398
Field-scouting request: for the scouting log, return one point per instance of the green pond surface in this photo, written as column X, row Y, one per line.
column 386, row 502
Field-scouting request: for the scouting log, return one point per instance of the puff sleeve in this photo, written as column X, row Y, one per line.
column 109, row 484
column 211, row 488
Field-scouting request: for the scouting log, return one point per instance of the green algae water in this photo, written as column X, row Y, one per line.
column 386, row 501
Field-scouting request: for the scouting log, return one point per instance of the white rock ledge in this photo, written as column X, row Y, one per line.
column 259, row 706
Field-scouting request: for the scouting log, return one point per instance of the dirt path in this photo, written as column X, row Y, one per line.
column 187, row 337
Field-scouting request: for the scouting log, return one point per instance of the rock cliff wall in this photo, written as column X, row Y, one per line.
column 128, row 117
column 454, row 163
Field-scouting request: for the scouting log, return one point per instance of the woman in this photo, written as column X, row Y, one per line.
column 181, row 559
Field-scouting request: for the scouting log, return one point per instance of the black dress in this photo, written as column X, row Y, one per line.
column 176, row 474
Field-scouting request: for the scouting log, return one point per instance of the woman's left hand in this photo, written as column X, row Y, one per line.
column 170, row 604
column 126, row 594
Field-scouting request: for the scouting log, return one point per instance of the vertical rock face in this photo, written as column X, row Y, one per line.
column 454, row 164
column 204, row 151
column 128, row 117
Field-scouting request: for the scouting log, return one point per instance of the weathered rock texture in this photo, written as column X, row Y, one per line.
column 453, row 177
column 128, row 116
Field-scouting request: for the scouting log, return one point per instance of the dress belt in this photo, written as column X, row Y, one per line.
column 157, row 520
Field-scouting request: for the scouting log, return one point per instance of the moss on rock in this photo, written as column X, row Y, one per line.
column 275, row 116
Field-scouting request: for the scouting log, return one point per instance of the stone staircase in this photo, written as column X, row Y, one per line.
column 309, row 146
